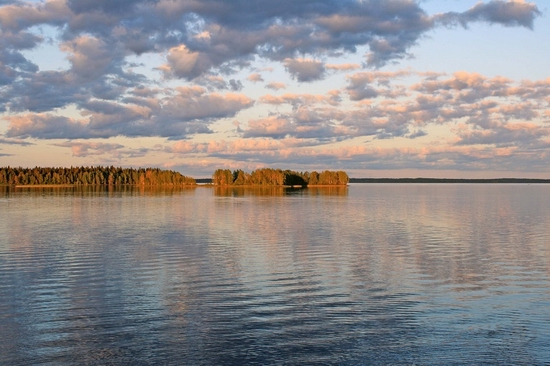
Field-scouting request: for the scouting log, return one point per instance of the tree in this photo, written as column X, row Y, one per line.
column 222, row 177
column 239, row 178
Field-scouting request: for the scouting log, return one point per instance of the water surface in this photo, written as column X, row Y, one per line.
column 368, row 274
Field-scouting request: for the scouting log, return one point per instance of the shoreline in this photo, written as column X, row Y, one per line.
column 95, row 185
column 43, row 186
column 448, row 180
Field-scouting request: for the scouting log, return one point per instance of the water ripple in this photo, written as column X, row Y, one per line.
column 383, row 274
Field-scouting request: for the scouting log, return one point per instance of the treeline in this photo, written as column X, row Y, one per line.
column 448, row 180
column 98, row 175
column 278, row 177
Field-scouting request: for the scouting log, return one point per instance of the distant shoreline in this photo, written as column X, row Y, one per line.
column 424, row 180
column 272, row 185
column 44, row 185
column 447, row 180
column 94, row 185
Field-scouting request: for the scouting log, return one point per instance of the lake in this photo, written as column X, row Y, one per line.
column 370, row 274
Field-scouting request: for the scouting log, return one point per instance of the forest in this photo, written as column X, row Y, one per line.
column 448, row 180
column 98, row 175
column 278, row 177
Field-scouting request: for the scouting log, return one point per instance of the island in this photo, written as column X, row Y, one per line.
column 448, row 180
column 279, row 177
column 98, row 175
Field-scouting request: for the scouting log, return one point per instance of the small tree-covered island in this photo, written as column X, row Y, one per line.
column 98, row 175
column 278, row 177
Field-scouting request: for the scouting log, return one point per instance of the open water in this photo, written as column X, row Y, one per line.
column 402, row 274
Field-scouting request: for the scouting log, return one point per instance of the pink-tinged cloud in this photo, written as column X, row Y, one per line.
column 184, row 63
column 255, row 78
column 190, row 110
column 43, row 125
column 276, row 85
column 273, row 127
column 195, row 103
column 90, row 57
column 247, row 145
column 368, row 85
column 301, row 99
column 108, row 151
column 19, row 16
column 83, row 149
column 279, row 152
column 342, row 67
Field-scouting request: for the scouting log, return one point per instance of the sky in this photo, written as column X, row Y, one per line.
column 377, row 88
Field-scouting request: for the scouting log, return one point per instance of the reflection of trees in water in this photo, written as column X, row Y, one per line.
column 327, row 191
column 228, row 191
column 231, row 191
column 281, row 281
column 97, row 190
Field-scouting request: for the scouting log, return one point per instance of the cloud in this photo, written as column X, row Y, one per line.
column 12, row 62
column 16, row 16
column 15, row 142
column 43, row 92
column 342, row 67
column 293, row 153
column 44, row 126
column 366, row 85
column 305, row 69
column 300, row 99
column 507, row 13
column 194, row 103
column 90, row 57
column 184, row 63
column 83, row 149
column 360, row 90
column 255, row 78
column 273, row 127
column 216, row 82
column 200, row 36
column 393, row 110
column 189, row 111
column 247, row 145
column 103, row 6
column 275, row 85
column 417, row 134
column 318, row 124
column 520, row 134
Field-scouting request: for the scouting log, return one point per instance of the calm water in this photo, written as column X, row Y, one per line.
column 364, row 275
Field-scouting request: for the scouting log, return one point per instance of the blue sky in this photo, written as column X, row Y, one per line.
column 395, row 88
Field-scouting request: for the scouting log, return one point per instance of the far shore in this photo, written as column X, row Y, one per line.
column 95, row 185
column 44, row 185
column 447, row 180
column 271, row 185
